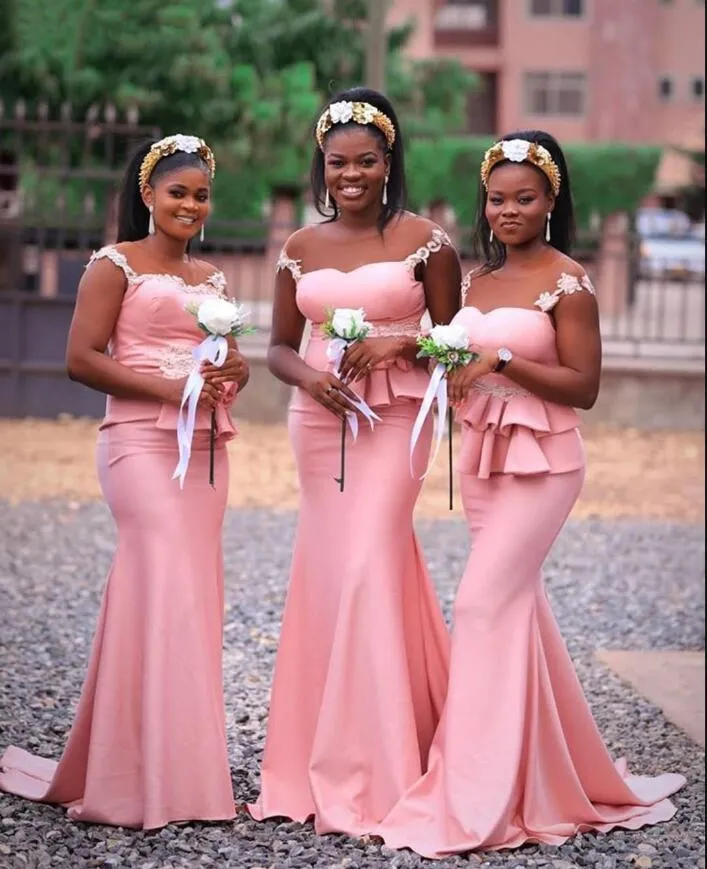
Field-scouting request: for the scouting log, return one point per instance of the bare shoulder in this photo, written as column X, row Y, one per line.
column 419, row 230
column 479, row 276
column 204, row 269
column 565, row 265
column 302, row 239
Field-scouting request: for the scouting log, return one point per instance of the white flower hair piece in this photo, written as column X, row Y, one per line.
column 521, row 151
column 171, row 145
column 344, row 112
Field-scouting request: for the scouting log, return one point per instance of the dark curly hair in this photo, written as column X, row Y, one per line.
column 492, row 254
column 397, row 188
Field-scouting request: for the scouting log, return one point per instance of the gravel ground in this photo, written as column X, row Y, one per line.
column 620, row 584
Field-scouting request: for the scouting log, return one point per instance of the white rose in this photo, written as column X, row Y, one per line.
column 218, row 316
column 452, row 337
column 188, row 144
column 516, row 150
column 348, row 322
column 340, row 113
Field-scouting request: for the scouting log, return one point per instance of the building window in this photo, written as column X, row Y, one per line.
column 559, row 8
column 466, row 14
column 665, row 88
column 555, row 93
column 697, row 88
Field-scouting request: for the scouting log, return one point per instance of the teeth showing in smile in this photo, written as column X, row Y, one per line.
column 188, row 220
column 351, row 191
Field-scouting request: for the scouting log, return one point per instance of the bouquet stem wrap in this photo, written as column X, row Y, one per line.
column 335, row 353
column 213, row 349
column 436, row 392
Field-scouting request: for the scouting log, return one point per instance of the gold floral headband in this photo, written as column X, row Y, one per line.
column 521, row 151
column 170, row 145
column 359, row 113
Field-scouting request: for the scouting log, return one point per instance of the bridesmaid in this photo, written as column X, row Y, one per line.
column 362, row 665
column 517, row 756
column 148, row 744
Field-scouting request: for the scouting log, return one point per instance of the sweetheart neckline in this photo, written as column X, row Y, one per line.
column 385, row 262
column 504, row 308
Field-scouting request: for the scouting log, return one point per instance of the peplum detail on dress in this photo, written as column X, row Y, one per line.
column 384, row 385
column 388, row 383
column 520, row 434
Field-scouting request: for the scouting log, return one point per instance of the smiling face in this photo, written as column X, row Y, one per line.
column 355, row 168
column 518, row 202
column 181, row 200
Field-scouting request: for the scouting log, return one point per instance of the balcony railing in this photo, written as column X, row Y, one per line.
column 466, row 24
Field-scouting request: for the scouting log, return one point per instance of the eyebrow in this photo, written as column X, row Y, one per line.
column 185, row 187
column 520, row 190
column 359, row 156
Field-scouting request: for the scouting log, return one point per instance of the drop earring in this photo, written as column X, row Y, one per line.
column 151, row 224
column 491, row 237
column 385, row 191
column 547, row 227
column 327, row 200
column 201, row 234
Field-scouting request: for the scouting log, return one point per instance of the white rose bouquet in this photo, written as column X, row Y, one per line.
column 346, row 326
column 449, row 346
column 219, row 319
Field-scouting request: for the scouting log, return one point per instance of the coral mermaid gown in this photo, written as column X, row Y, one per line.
column 517, row 756
column 361, row 670
column 148, row 743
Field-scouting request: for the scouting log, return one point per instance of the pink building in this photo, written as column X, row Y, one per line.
column 629, row 70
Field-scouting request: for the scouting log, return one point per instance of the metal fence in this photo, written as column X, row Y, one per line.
column 58, row 178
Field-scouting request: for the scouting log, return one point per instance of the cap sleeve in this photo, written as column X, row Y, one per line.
column 116, row 257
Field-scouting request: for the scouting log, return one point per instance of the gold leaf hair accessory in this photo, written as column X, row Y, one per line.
column 358, row 113
column 521, row 151
column 170, row 145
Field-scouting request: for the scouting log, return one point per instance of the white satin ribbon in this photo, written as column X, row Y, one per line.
column 213, row 349
column 335, row 353
column 436, row 391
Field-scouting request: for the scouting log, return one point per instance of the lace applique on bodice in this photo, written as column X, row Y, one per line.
column 422, row 254
column 175, row 360
column 214, row 285
column 466, row 286
column 116, row 257
column 294, row 266
column 567, row 285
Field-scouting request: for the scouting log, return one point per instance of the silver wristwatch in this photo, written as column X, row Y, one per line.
column 504, row 357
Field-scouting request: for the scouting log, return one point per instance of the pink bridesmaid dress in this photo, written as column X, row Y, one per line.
column 148, row 743
column 517, row 756
column 361, row 670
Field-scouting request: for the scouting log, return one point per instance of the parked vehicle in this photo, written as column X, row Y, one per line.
column 670, row 246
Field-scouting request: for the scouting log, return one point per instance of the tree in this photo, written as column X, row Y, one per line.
column 248, row 75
